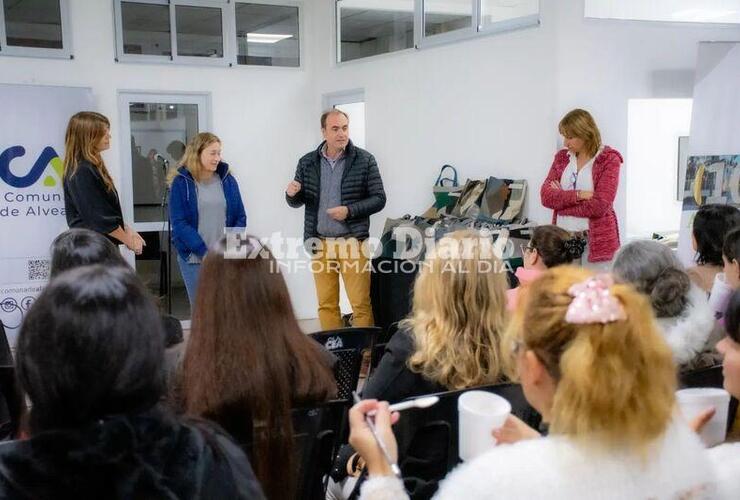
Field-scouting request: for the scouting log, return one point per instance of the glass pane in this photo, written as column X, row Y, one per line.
column 495, row 11
column 356, row 112
column 153, row 267
column 199, row 31
column 441, row 16
column 368, row 28
column 696, row 11
column 159, row 133
column 146, row 29
column 33, row 23
column 267, row 35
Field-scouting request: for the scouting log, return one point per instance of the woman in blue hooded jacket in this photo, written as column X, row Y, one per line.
column 204, row 200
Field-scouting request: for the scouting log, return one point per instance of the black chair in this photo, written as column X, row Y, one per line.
column 316, row 434
column 391, row 287
column 709, row 377
column 348, row 346
column 428, row 438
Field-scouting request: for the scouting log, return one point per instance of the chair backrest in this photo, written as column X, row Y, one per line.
column 347, row 345
column 709, row 377
column 316, row 434
column 428, row 438
column 391, row 287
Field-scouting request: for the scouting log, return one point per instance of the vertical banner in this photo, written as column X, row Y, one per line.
column 33, row 120
column 713, row 171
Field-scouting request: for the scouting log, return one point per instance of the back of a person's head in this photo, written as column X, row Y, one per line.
column 711, row 225
column 80, row 247
column 459, row 312
column 556, row 246
column 90, row 347
column 615, row 379
column 732, row 317
column 731, row 246
column 654, row 270
column 247, row 355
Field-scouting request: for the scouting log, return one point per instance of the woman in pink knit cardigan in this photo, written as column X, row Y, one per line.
column 582, row 184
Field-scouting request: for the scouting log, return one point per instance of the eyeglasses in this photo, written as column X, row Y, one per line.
column 525, row 247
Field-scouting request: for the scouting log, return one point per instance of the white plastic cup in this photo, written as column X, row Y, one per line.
column 694, row 401
column 479, row 413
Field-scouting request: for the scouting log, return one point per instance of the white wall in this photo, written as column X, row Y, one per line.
column 490, row 106
column 654, row 128
column 266, row 117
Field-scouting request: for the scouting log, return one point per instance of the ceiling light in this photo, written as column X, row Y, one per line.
column 266, row 37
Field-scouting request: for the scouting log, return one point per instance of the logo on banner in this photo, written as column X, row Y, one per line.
column 46, row 160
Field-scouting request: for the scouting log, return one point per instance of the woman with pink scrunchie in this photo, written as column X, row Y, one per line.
column 592, row 362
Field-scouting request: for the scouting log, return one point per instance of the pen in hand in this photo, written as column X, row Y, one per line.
column 370, row 423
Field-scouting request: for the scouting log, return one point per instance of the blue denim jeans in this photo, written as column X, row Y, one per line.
column 190, row 274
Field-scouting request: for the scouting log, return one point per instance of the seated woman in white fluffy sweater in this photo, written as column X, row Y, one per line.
column 592, row 362
column 683, row 313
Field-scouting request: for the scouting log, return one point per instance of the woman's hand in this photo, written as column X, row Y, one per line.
column 362, row 440
column 585, row 195
column 555, row 185
column 134, row 242
column 514, row 430
column 698, row 422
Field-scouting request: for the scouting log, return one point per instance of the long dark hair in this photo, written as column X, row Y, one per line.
column 84, row 131
column 90, row 347
column 80, row 247
column 248, row 362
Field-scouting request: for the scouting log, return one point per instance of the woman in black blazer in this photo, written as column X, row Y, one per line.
column 90, row 198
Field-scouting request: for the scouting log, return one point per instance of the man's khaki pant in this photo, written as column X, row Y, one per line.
column 343, row 256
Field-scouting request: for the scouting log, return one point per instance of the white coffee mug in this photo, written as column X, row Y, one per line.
column 479, row 413
column 694, row 401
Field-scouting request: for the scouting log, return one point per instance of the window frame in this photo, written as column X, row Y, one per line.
column 121, row 55
column 228, row 33
column 277, row 3
column 64, row 53
column 228, row 23
column 422, row 41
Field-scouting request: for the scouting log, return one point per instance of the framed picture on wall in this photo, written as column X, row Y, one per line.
column 682, row 186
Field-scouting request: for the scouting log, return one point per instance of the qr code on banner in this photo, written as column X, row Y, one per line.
column 38, row 269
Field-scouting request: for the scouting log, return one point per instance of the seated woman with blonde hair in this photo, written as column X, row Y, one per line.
column 592, row 362
column 451, row 339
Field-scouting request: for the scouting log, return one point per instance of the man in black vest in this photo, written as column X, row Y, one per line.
column 340, row 186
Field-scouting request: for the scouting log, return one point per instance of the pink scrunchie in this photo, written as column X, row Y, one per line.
column 593, row 302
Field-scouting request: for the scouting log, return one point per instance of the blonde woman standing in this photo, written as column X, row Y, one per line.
column 90, row 197
column 582, row 184
column 204, row 200
column 592, row 362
